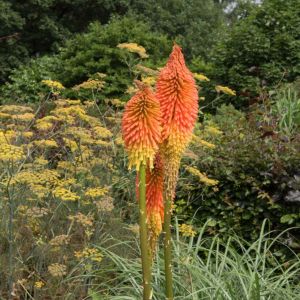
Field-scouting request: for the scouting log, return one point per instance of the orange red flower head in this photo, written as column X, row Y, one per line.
column 154, row 195
column 141, row 127
column 154, row 199
column 178, row 97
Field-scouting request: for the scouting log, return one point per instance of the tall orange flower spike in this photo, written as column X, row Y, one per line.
column 178, row 97
column 154, row 196
column 141, row 127
column 154, row 199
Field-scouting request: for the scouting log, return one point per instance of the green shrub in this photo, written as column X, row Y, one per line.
column 87, row 54
column 196, row 25
column 258, row 174
column 30, row 28
column 96, row 51
column 24, row 85
column 261, row 50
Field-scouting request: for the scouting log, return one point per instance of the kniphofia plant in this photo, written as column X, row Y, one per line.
column 141, row 129
column 178, row 97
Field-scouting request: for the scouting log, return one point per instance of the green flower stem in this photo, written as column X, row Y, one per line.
column 145, row 249
column 168, row 249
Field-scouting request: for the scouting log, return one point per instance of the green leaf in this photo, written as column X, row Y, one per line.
column 212, row 223
column 94, row 295
column 288, row 218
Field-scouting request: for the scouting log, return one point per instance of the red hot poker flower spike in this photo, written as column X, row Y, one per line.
column 154, row 199
column 141, row 127
column 154, row 196
column 178, row 97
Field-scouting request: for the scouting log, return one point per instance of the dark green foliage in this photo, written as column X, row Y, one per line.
column 89, row 53
column 10, row 50
column 261, row 50
column 258, row 174
column 25, row 85
column 96, row 51
column 193, row 24
column 30, row 28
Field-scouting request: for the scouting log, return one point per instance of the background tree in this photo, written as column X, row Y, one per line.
column 87, row 53
column 43, row 26
column 39, row 27
column 261, row 50
column 194, row 24
column 11, row 23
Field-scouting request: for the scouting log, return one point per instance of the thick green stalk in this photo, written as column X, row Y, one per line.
column 145, row 249
column 168, row 249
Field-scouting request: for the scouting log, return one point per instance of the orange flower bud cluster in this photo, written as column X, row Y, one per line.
column 178, row 97
column 154, row 196
column 141, row 127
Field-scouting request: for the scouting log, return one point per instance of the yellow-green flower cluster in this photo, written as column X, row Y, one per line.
column 53, row 84
column 134, row 48
column 225, row 90
column 201, row 77
column 84, row 220
column 102, row 132
column 187, row 230
column 46, row 123
column 46, row 143
column 60, row 240
column 27, row 134
column 89, row 253
column 57, row 270
column 26, row 117
column 4, row 115
column 206, row 144
column 198, row 140
column 65, row 194
column 92, row 84
column 11, row 153
column 70, row 114
column 202, row 177
column 149, row 80
column 212, row 130
column 45, row 177
column 41, row 161
column 66, row 102
column 39, row 182
column 115, row 102
column 15, row 109
column 7, row 136
column 131, row 90
column 39, row 284
column 96, row 192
